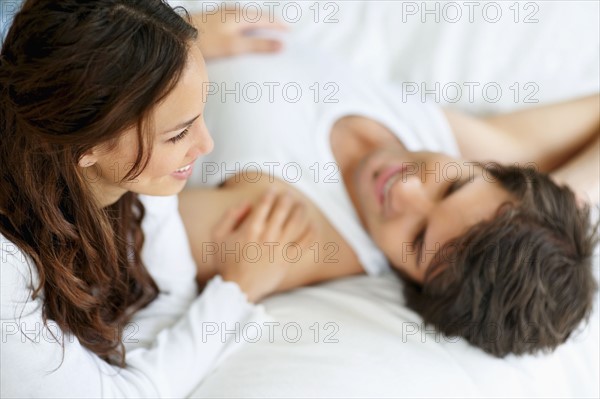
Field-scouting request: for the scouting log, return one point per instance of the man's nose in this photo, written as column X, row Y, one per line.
column 409, row 194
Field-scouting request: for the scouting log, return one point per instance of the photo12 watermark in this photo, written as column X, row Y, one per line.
column 290, row 12
column 470, row 11
column 290, row 332
column 451, row 171
column 252, row 172
column 471, row 92
column 38, row 332
column 492, row 332
column 8, row 10
column 271, row 252
column 272, row 92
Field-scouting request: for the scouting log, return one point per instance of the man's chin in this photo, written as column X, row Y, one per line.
column 404, row 276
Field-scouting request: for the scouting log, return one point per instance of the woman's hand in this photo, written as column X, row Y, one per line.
column 254, row 243
column 221, row 36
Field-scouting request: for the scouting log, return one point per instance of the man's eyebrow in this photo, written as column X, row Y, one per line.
column 419, row 243
column 421, row 238
column 182, row 125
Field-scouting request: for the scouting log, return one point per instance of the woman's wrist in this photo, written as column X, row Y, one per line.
column 225, row 34
column 249, row 289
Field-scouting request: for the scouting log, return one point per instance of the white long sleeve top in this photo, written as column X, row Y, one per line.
column 172, row 344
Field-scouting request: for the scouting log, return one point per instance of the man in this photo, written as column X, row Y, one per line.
column 479, row 245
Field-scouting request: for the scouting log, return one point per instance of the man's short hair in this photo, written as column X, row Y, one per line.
column 521, row 282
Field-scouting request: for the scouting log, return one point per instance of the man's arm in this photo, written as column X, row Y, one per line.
column 548, row 135
column 582, row 172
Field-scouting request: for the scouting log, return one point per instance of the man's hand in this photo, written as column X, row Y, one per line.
column 225, row 33
column 582, row 173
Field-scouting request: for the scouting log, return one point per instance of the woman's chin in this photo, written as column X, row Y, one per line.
column 162, row 189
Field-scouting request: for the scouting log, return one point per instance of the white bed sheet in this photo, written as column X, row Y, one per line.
column 382, row 350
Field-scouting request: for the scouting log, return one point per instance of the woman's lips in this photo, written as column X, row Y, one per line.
column 185, row 173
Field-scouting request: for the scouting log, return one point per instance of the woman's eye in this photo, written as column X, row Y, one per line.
column 179, row 136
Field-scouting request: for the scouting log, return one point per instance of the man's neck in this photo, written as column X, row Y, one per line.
column 352, row 140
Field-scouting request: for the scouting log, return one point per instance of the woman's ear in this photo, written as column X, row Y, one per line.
column 88, row 159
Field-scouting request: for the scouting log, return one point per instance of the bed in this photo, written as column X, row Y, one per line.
column 349, row 337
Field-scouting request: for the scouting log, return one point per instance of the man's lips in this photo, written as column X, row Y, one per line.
column 383, row 177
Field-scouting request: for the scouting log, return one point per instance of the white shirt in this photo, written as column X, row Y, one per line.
column 275, row 113
column 172, row 344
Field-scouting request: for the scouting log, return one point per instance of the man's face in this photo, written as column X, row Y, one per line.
column 412, row 203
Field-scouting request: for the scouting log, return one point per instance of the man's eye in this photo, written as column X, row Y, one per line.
column 453, row 187
column 179, row 136
column 418, row 243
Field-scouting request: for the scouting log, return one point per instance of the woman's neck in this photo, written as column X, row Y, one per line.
column 106, row 194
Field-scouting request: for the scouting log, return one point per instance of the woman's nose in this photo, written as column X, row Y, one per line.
column 409, row 194
column 203, row 144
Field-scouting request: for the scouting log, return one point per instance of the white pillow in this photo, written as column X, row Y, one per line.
column 375, row 347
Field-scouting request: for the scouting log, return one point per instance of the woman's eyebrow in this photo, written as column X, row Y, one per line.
column 182, row 125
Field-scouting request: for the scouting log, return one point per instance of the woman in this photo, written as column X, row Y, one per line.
column 100, row 117
column 398, row 184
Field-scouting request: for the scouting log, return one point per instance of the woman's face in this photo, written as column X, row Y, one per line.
column 180, row 138
column 412, row 203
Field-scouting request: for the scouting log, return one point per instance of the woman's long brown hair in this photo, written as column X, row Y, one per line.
column 75, row 75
